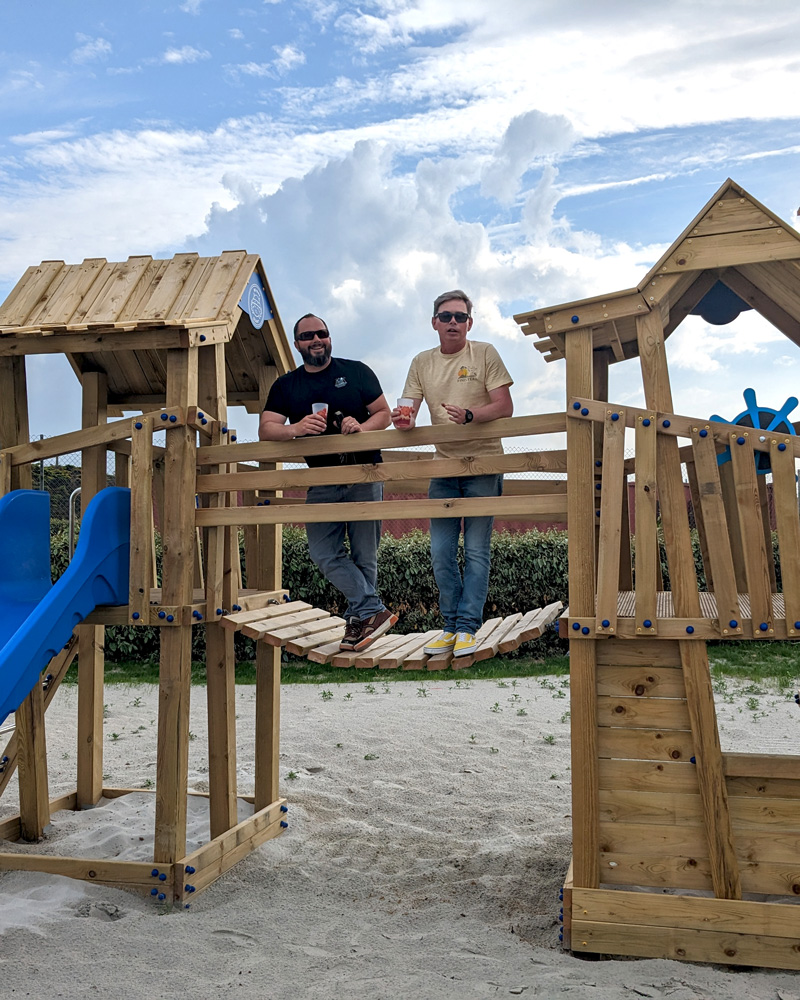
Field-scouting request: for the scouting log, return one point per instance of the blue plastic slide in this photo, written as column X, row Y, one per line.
column 37, row 616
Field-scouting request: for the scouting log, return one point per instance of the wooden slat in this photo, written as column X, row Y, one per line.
column 221, row 709
column 34, row 800
column 385, row 644
column 613, row 483
column 639, row 652
column 179, row 311
column 716, row 530
column 412, row 643
column 141, row 543
column 726, row 249
column 530, row 626
column 641, row 682
column 784, row 492
column 642, row 713
column 268, row 726
column 645, row 744
column 178, row 271
column 755, row 552
column 303, row 645
column 123, row 280
column 302, row 630
column 646, row 510
column 271, row 612
column 29, row 292
column 648, row 776
column 223, row 275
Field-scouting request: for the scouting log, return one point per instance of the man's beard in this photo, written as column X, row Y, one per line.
column 317, row 359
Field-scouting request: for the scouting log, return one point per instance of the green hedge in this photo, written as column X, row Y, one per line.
column 529, row 570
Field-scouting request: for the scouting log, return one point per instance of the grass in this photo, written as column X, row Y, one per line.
column 779, row 661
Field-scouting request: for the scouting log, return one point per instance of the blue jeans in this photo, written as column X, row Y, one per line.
column 355, row 573
column 461, row 601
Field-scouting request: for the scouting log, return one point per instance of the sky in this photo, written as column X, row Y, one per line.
column 376, row 154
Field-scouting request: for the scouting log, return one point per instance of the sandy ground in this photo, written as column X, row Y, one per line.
column 428, row 839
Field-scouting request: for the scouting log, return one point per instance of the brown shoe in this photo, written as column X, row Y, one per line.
column 353, row 633
column 375, row 626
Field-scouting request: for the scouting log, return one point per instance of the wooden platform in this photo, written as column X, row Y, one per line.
column 316, row 634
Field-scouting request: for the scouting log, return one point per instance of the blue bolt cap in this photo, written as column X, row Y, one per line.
column 575, row 319
column 598, row 486
column 284, row 824
column 598, row 464
column 135, row 616
column 740, row 440
column 576, row 406
column 284, row 809
column 162, row 614
column 646, row 422
column 219, row 611
column 647, row 623
column 170, row 618
column 164, row 416
column 585, row 630
column 224, row 430
column 615, row 416
column 692, row 760
column 202, row 338
column 138, row 425
column 781, row 446
column 666, row 423
column 154, row 892
column 690, row 629
column 606, row 623
column 162, row 896
column 703, row 433
column 763, row 626
column 733, row 623
column 162, row 877
column 173, row 419
column 576, row 626
column 233, row 437
column 585, row 411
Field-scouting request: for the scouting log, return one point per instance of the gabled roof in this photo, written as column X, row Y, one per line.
column 119, row 318
column 734, row 241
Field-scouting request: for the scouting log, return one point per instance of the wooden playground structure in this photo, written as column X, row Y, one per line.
column 675, row 843
column 713, row 836
column 178, row 341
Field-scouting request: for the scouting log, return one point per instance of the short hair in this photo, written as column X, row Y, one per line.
column 455, row 294
column 308, row 316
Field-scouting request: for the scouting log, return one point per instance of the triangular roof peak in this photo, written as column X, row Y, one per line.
column 734, row 241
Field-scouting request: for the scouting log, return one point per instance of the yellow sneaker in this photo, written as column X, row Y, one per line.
column 465, row 644
column 444, row 644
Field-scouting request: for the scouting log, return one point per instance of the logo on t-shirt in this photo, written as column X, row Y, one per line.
column 340, row 382
column 465, row 374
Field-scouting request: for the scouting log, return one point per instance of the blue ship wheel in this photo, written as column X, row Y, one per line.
column 765, row 419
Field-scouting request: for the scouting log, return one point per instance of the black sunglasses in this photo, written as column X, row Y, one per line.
column 445, row 317
column 310, row 334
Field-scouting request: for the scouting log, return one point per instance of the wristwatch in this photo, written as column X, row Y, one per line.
column 468, row 416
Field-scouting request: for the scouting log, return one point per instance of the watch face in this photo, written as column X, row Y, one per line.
column 467, row 416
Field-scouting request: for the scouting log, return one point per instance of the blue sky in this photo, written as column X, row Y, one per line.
column 375, row 154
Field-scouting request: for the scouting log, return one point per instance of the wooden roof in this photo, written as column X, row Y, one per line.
column 120, row 318
column 734, row 241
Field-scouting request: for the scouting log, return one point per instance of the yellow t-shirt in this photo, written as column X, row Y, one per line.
column 462, row 379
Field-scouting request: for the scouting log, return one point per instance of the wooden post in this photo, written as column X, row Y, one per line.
column 34, row 798
column 176, row 641
column 91, row 638
column 220, row 657
column 583, row 654
column 14, row 415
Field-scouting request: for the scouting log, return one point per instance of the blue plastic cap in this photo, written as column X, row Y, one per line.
column 162, row 614
column 703, row 433
column 598, row 464
column 163, row 416
column 284, row 809
column 284, row 824
column 135, row 616
column 665, row 423
column 224, row 430
column 693, row 760
column 585, row 412
column 154, row 872
column 204, row 421
column 162, row 877
column 646, row 422
column 615, row 416
column 172, row 418
column 733, row 623
column 585, row 630
column 138, row 425
column 740, row 440
column 576, row 406
column 219, row 612
column 200, row 414
column 162, row 895
column 154, row 892
column 202, row 337
column 190, row 869
column 170, row 618
column 797, row 624
column 598, row 486
column 782, row 446
column 690, row 629
column 647, row 623
column 576, row 626
column 763, row 626
column 233, row 437
column 606, row 623
column 575, row 319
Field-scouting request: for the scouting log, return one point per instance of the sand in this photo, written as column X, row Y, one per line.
column 428, row 838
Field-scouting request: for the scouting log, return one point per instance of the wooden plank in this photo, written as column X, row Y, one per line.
column 224, row 273
column 648, row 776
column 124, row 873
column 91, row 662
column 584, row 743
column 177, row 273
column 29, row 292
column 530, row 626
column 730, row 249
column 413, row 643
column 490, row 628
column 385, row 644
column 520, row 508
column 644, row 744
column 642, row 713
column 713, row 794
column 301, row 630
column 275, row 611
column 121, row 285
column 488, row 644
column 638, row 652
column 141, row 544
column 784, row 493
column 14, row 431
column 715, row 524
column 761, row 765
column 221, row 707
column 180, row 310
column 303, row 645
column 750, row 523
column 613, row 483
column 640, row 682
column 268, row 725
column 646, row 508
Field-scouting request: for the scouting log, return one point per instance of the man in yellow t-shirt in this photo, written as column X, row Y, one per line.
column 462, row 381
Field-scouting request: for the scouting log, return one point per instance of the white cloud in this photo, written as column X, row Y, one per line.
column 185, row 54
column 191, row 6
column 288, row 57
column 236, row 33
column 90, row 49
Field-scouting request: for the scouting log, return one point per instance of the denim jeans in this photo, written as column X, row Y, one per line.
column 461, row 601
column 355, row 573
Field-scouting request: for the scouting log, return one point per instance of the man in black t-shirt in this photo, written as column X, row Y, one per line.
column 355, row 403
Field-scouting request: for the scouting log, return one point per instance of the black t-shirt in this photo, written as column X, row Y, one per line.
column 346, row 386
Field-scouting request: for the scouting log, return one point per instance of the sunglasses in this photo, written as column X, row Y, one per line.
column 310, row 334
column 445, row 317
